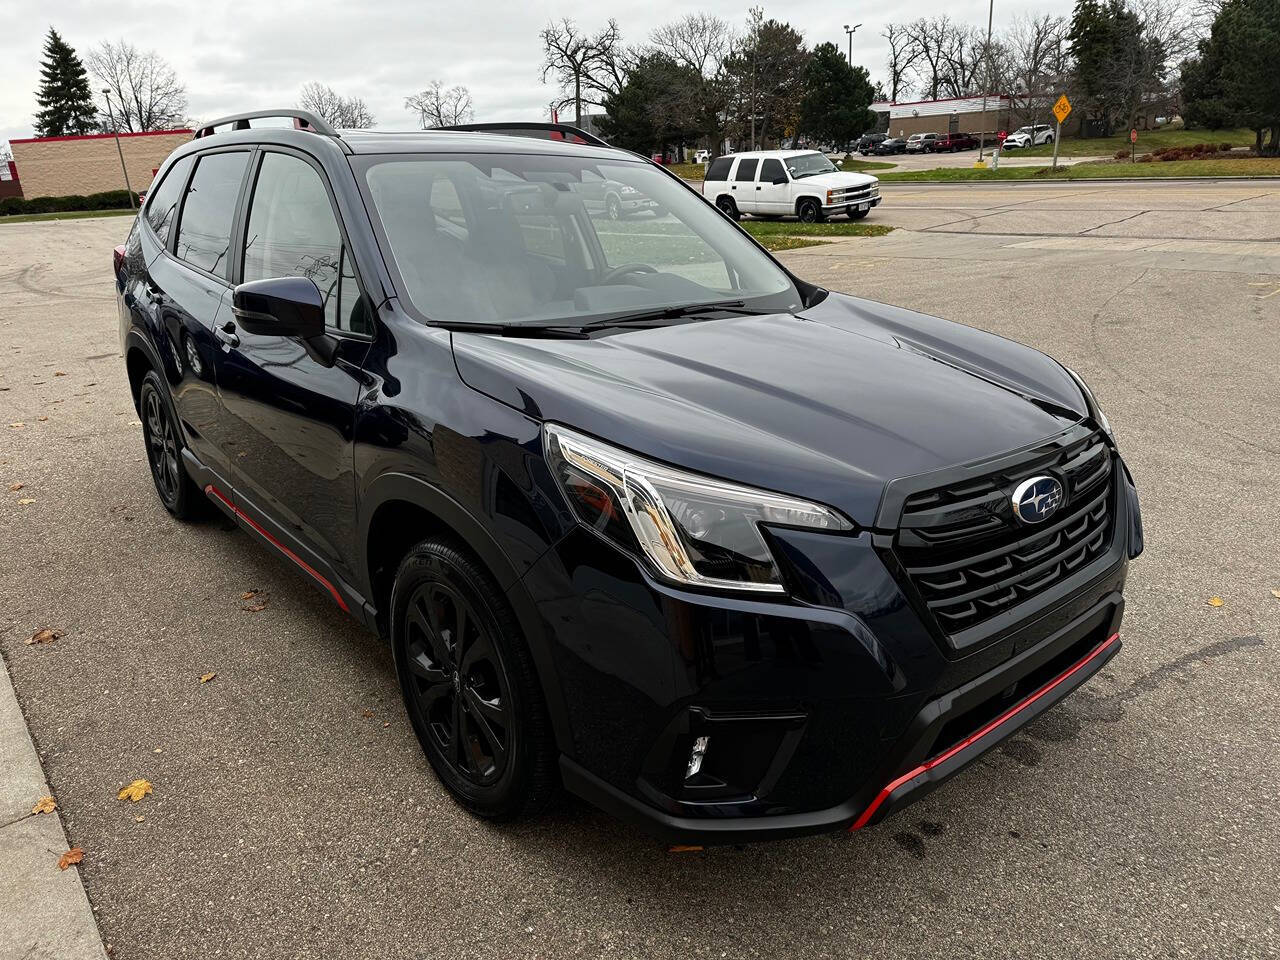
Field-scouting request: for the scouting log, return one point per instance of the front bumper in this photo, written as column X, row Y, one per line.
column 830, row 709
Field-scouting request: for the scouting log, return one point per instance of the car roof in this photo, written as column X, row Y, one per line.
column 774, row 153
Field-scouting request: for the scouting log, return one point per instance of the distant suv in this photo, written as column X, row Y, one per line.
column 921, row 142
column 778, row 183
column 890, row 145
column 1037, row 136
column 867, row 142
column 954, row 142
column 639, row 511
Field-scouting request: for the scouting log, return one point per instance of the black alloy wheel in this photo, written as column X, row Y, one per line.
column 613, row 207
column 810, row 212
column 469, row 684
column 164, row 450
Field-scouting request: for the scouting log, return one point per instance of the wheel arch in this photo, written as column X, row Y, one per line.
column 398, row 511
column 139, row 357
column 800, row 200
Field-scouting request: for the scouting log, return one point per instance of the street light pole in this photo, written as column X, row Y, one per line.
column 986, row 82
column 851, row 31
column 106, row 95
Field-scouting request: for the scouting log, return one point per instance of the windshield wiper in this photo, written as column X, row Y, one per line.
column 531, row 330
column 672, row 313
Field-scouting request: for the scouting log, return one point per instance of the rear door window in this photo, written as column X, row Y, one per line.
column 746, row 169
column 719, row 169
column 204, row 233
column 162, row 200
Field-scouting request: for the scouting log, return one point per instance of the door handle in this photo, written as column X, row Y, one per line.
column 227, row 334
column 757, row 188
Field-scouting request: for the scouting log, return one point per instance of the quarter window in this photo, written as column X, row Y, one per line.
column 719, row 169
column 746, row 169
column 293, row 232
column 162, row 200
column 204, row 235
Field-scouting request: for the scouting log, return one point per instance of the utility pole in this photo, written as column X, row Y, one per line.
column 757, row 15
column 106, row 95
column 986, row 83
column 851, row 31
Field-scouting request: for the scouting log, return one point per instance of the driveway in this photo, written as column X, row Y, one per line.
column 293, row 815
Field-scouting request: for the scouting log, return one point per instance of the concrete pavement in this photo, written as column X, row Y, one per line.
column 294, row 816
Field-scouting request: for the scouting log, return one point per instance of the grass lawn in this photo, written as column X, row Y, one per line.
column 782, row 235
column 72, row 215
column 1148, row 140
column 789, row 243
column 1244, row 167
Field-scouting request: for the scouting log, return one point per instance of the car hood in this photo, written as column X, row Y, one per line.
column 829, row 405
column 837, row 180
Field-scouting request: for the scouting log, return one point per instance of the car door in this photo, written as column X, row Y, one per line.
column 742, row 186
column 188, row 287
column 288, row 406
column 773, row 188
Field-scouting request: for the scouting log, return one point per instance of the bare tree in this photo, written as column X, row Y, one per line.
column 580, row 63
column 698, row 41
column 145, row 92
column 963, row 55
column 931, row 38
column 903, row 54
column 440, row 106
column 1034, row 65
column 351, row 113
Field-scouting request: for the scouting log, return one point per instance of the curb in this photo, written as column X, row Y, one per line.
column 44, row 911
column 1033, row 182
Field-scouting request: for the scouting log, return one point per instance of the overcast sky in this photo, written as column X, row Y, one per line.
column 248, row 55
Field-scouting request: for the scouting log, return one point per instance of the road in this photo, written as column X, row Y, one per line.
column 293, row 815
column 966, row 158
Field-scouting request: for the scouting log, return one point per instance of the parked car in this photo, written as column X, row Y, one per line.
column 778, row 183
column 921, row 142
column 1037, row 135
column 867, row 142
column 889, row 146
column 609, row 198
column 954, row 142
column 722, row 551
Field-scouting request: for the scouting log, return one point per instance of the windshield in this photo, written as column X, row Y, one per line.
column 1023, row 130
column 529, row 239
column 809, row 165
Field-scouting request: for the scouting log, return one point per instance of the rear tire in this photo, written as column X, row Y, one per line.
column 729, row 208
column 469, row 684
column 163, row 440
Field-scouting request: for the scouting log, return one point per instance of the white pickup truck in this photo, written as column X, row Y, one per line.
column 778, row 183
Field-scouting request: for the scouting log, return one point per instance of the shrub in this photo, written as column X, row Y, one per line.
column 1224, row 147
column 110, row 200
column 1122, row 155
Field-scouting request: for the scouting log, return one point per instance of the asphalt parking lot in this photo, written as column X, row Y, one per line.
column 294, row 816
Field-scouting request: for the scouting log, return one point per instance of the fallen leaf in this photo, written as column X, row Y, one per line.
column 386, row 724
column 16, row 424
column 15, row 487
column 1214, row 601
column 248, row 594
column 257, row 603
column 45, row 805
column 74, row 855
column 26, row 500
column 1276, row 594
column 46, row 635
column 58, row 373
column 366, row 713
column 135, row 791
column 42, row 419
column 206, row 677
column 684, row 848
column 139, row 818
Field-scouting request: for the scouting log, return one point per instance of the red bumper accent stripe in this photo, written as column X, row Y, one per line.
column 981, row 732
column 213, row 491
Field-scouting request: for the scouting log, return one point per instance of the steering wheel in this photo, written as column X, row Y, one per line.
column 625, row 269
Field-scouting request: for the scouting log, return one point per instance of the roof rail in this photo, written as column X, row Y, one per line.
column 538, row 131
column 302, row 120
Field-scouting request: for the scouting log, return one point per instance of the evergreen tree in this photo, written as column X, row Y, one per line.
column 66, row 102
column 660, row 103
column 1233, row 80
column 834, row 108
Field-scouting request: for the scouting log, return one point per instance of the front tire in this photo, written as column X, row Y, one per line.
column 160, row 433
column 469, row 684
column 810, row 211
column 613, row 207
column 859, row 214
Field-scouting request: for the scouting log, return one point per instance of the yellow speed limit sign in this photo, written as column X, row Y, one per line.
column 1062, row 109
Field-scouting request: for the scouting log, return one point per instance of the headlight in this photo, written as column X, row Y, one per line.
column 1091, row 402
column 695, row 531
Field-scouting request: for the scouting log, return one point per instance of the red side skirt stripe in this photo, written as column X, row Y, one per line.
column 973, row 738
column 213, row 491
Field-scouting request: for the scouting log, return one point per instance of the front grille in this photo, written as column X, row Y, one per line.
column 854, row 194
column 970, row 559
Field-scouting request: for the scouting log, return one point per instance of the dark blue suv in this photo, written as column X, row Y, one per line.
column 641, row 513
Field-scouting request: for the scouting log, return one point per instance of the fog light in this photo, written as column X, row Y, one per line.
column 695, row 757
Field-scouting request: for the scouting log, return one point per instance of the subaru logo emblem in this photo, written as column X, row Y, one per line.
column 1037, row 499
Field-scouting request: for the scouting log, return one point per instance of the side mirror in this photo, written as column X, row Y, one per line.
column 279, row 307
